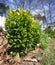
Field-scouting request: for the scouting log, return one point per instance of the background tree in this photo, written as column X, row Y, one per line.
column 33, row 5
column 30, row 4
column 22, row 2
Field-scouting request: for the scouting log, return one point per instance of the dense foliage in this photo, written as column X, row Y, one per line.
column 50, row 32
column 22, row 31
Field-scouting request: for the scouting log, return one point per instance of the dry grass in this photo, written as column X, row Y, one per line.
column 48, row 56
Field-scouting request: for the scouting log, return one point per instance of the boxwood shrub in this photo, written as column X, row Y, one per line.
column 22, row 31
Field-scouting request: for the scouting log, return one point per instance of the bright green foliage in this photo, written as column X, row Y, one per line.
column 44, row 41
column 22, row 31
